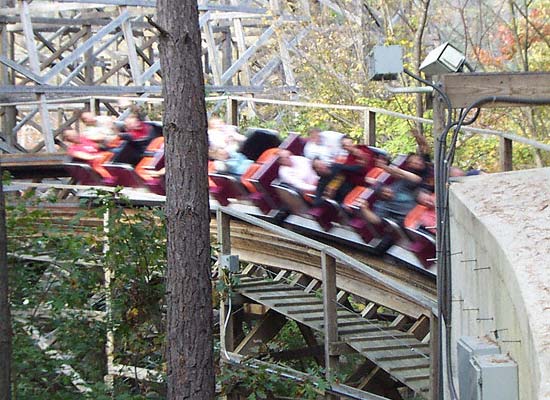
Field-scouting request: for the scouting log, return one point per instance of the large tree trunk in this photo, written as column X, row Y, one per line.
column 5, row 317
column 189, row 350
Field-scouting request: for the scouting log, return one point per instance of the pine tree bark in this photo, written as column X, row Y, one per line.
column 189, row 353
column 5, row 316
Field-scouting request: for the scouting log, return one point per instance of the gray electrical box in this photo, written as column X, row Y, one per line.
column 497, row 377
column 385, row 62
column 230, row 262
column 484, row 373
column 467, row 348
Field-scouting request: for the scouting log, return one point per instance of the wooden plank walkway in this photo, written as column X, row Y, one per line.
column 399, row 353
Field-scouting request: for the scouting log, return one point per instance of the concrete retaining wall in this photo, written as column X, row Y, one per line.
column 500, row 234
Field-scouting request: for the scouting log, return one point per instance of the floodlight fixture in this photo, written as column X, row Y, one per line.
column 385, row 62
column 442, row 60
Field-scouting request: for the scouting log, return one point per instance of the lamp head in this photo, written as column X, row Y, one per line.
column 443, row 59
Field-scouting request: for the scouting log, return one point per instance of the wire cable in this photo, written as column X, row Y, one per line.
column 444, row 253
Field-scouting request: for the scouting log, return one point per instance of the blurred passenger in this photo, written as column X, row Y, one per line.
column 423, row 148
column 297, row 172
column 315, row 146
column 396, row 200
column 473, row 172
column 223, row 136
column 423, row 216
column 346, row 174
column 84, row 149
column 333, row 141
column 80, row 147
column 98, row 129
column 382, row 207
column 233, row 163
column 135, row 128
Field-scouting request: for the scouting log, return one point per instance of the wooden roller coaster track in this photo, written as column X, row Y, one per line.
column 291, row 277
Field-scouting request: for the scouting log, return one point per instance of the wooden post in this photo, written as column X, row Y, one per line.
column 224, row 232
column 9, row 117
column 232, row 111
column 88, row 57
column 369, row 127
column 328, row 265
column 227, row 336
column 434, row 356
column 505, row 154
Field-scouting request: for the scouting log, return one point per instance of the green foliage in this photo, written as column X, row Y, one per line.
column 74, row 280
column 261, row 382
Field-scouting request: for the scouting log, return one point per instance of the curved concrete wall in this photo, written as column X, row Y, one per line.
column 500, row 234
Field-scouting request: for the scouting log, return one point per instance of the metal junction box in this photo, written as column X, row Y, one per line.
column 230, row 262
column 497, row 377
column 484, row 373
column 385, row 62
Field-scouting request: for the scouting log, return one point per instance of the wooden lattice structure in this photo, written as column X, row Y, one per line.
column 51, row 51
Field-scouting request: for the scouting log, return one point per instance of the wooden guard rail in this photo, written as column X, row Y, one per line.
column 330, row 257
column 369, row 115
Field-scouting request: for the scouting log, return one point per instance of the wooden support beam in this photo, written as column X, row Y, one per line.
column 261, row 76
column 294, row 354
column 241, row 47
column 436, row 366
column 224, row 232
column 213, row 55
column 30, row 44
column 369, row 127
column 73, row 22
column 22, row 70
column 399, row 322
column 63, row 48
column 152, row 4
column 361, row 371
column 312, row 285
column 79, row 90
column 367, row 380
column 420, row 328
column 328, row 265
column 368, row 377
column 505, row 154
column 232, row 113
column 264, row 37
column 107, row 29
column 464, row 89
column 44, row 41
column 262, row 333
column 311, row 340
column 283, row 46
column 35, row 67
column 39, row 8
column 152, row 70
column 131, row 47
column 89, row 59
column 25, row 119
column 8, row 114
column 370, row 310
